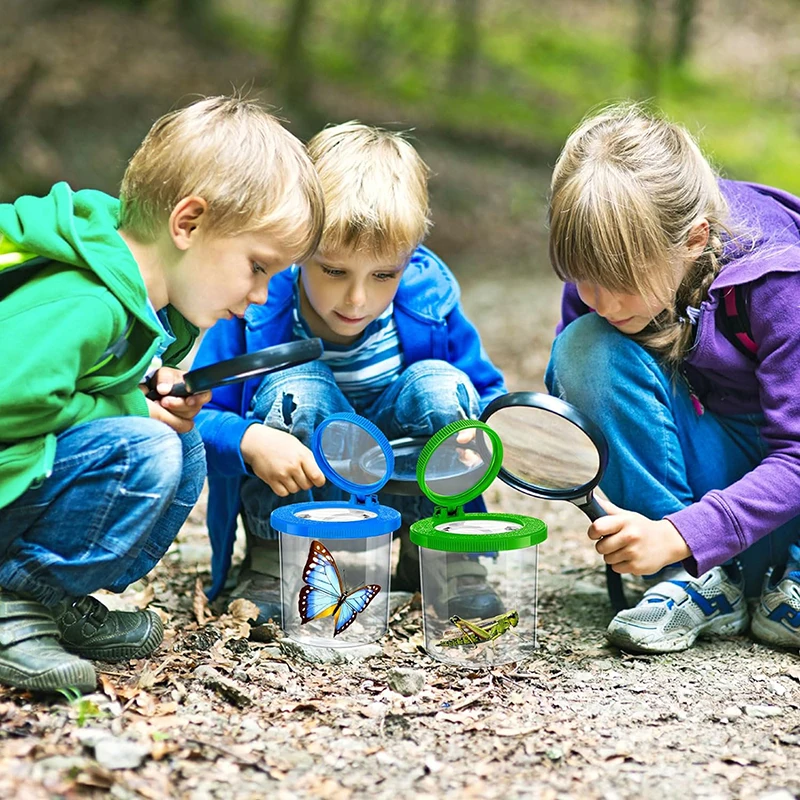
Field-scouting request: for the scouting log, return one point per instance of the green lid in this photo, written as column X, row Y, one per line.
column 478, row 533
column 454, row 467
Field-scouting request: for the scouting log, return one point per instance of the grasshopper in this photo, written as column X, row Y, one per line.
column 483, row 631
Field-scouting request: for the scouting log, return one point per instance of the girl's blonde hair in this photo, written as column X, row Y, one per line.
column 626, row 191
column 253, row 173
column 376, row 190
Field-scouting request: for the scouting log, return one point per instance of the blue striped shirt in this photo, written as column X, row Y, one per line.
column 365, row 367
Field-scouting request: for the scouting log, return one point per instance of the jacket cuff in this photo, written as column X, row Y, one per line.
column 222, row 434
column 710, row 533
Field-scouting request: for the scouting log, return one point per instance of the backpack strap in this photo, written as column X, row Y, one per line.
column 734, row 321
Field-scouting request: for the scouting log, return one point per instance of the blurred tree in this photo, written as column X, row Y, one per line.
column 371, row 37
column 294, row 67
column 464, row 55
column 645, row 47
column 685, row 12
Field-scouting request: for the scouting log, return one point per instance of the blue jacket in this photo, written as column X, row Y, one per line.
column 430, row 324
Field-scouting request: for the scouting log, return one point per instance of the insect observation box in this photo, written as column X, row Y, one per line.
column 336, row 554
column 478, row 570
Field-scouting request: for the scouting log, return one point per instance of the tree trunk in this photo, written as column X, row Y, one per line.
column 464, row 57
column 294, row 68
column 685, row 12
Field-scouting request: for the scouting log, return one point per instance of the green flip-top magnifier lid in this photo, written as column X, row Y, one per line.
column 480, row 481
column 493, row 531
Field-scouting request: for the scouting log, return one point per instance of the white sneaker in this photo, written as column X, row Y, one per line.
column 673, row 613
column 776, row 619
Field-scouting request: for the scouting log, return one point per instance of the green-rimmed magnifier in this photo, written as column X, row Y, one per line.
column 456, row 465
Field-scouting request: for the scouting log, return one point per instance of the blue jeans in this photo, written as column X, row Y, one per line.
column 427, row 396
column 663, row 456
column 119, row 492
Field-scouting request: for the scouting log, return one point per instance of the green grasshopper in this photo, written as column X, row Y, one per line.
column 483, row 631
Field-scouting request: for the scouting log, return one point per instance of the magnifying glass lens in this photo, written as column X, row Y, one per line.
column 544, row 449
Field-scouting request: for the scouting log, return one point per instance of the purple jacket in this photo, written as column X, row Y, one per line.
column 725, row 522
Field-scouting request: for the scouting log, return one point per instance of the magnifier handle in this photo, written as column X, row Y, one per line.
column 177, row 390
column 592, row 508
column 616, row 592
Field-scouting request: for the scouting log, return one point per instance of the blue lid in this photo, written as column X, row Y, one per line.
column 336, row 519
column 339, row 446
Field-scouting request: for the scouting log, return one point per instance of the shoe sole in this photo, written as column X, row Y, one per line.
column 79, row 675
column 728, row 625
column 772, row 633
column 122, row 652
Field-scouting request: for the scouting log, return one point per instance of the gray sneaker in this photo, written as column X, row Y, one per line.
column 674, row 612
column 776, row 619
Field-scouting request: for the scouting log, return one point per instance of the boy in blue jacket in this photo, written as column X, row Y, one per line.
column 398, row 350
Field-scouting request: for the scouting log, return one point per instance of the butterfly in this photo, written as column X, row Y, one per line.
column 324, row 594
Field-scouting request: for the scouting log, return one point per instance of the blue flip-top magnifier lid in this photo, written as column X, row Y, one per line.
column 325, row 458
column 336, row 453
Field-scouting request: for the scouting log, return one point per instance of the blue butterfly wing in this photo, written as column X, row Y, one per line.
column 354, row 603
column 322, row 593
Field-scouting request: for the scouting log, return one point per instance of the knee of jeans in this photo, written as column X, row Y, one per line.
column 308, row 391
column 154, row 454
column 436, row 393
column 586, row 359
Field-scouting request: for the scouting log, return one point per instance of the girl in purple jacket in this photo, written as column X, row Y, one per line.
column 679, row 337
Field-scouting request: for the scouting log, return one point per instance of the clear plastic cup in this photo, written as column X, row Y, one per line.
column 479, row 571
column 336, row 555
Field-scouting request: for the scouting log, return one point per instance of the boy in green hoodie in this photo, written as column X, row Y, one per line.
column 95, row 295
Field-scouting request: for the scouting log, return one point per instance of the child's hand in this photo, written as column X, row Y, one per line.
column 633, row 544
column 468, row 456
column 177, row 412
column 281, row 460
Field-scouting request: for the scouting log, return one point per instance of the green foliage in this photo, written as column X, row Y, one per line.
column 83, row 708
column 536, row 79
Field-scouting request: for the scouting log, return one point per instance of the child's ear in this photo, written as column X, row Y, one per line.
column 697, row 239
column 185, row 220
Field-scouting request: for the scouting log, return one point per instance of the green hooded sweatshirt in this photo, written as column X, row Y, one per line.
column 58, row 325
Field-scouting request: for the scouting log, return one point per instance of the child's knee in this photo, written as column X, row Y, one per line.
column 588, row 359
column 297, row 398
column 152, row 457
column 436, row 393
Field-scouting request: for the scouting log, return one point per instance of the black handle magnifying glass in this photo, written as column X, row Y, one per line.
column 554, row 452
column 244, row 367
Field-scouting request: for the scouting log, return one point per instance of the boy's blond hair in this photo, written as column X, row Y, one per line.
column 253, row 173
column 376, row 190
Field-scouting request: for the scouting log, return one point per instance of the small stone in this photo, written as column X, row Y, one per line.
column 225, row 687
column 113, row 753
column 405, row 681
column 731, row 713
column 554, row 753
column 762, row 711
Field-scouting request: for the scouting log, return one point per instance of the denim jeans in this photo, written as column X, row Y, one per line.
column 119, row 492
column 663, row 456
column 426, row 396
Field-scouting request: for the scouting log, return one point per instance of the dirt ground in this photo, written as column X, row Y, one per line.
column 225, row 711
